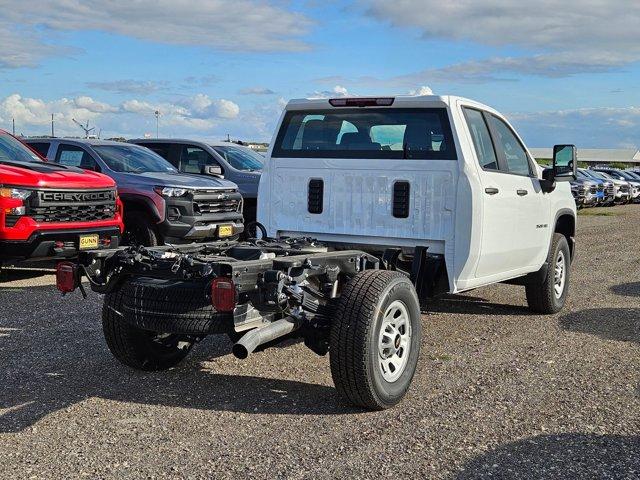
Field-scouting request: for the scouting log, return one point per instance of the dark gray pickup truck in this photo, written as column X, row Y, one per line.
column 161, row 204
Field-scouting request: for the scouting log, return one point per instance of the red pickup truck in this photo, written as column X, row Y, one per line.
column 49, row 211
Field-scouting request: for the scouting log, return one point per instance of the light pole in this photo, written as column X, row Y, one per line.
column 157, row 113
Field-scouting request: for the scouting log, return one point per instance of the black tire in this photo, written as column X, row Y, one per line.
column 541, row 295
column 139, row 230
column 355, row 333
column 138, row 348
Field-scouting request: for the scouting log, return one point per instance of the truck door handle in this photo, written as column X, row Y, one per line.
column 491, row 190
column 522, row 193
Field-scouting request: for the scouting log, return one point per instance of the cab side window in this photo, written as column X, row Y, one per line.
column 41, row 147
column 514, row 153
column 194, row 159
column 73, row 156
column 481, row 139
column 161, row 149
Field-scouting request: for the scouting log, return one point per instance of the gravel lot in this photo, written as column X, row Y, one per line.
column 499, row 392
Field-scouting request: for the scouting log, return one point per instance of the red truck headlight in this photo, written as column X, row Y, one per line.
column 66, row 277
column 223, row 294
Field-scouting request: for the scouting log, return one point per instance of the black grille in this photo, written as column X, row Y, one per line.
column 315, row 200
column 401, row 195
column 217, row 202
column 76, row 213
column 49, row 206
column 11, row 220
column 624, row 188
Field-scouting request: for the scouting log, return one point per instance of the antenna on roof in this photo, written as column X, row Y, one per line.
column 86, row 129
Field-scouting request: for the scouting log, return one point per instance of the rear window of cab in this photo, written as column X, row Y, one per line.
column 371, row 133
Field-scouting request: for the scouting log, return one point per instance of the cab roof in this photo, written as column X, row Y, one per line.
column 399, row 101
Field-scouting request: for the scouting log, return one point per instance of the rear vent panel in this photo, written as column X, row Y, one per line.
column 316, row 195
column 401, row 197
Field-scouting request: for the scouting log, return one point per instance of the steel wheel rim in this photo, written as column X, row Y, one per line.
column 394, row 341
column 559, row 275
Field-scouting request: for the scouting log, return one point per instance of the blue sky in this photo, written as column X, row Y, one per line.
column 563, row 71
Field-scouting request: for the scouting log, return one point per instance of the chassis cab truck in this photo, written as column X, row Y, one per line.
column 368, row 207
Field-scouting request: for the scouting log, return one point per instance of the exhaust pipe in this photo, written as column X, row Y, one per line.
column 259, row 336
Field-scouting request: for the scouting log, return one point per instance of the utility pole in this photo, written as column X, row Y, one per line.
column 52, row 130
column 228, row 138
column 13, row 122
column 157, row 112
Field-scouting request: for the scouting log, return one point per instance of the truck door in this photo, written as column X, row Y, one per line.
column 498, row 192
column 530, row 208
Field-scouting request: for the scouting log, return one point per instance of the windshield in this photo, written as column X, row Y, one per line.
column 240, row 158
column 603, row 175
column 132, row 159
column 366, row 133
column 13, row 150
column 626, row 175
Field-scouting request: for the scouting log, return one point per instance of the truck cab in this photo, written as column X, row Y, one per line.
column 442, row 173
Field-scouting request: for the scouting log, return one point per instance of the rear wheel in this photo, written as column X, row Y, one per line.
column 375, row 339
column 139, row 231
column 549, row 295
column 138, row 348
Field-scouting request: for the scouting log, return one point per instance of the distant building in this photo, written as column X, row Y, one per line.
column 595, row 155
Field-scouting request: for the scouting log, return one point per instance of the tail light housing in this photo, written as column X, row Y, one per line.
column 66, row 277
column 223, row 294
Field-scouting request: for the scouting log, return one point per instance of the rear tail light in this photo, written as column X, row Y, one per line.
column 362, row 102
column 223, row 294
column 66, row 277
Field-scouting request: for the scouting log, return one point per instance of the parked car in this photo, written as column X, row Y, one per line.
column 52, row 211
column 236, row 163
column 628, row 177
column 420, row 196
column 161, row 204
column 605, row 191
column 585, row 191
column 624, row 189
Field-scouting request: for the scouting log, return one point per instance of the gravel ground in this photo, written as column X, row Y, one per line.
column 499, row 392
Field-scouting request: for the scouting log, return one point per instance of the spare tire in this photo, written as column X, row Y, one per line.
column 169, row 306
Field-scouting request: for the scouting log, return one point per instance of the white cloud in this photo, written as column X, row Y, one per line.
column 197, row 113
column 137, row 87
column 605, row 127
column 557, row 37
column 256, row 91
column 36, row 112
column 423, row 90
column 337, row 91
column 22, row 48
column 241, row 25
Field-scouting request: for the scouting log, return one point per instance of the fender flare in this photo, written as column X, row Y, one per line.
column 572, row 239
column 145, row 202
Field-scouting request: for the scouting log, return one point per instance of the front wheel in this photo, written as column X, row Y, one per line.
column 140, row 231
column 138, row 348
column 375, row 339
column 550, row 294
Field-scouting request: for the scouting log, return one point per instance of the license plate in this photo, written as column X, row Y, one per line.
column 225, row 231
column 88, row 242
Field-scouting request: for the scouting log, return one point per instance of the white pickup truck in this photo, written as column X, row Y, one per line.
column 369, row 207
